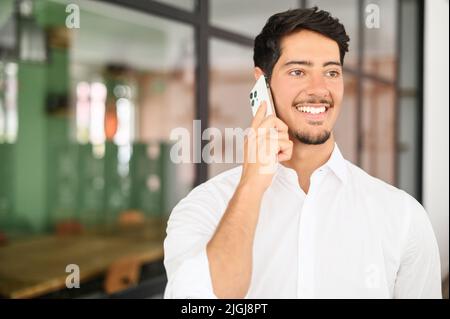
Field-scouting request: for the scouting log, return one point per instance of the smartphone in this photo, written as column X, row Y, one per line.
column 259, row 93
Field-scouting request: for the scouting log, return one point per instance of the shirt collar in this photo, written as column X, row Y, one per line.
column 336, row 163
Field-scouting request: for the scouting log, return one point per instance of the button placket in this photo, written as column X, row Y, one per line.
column 305, row 288
column 306, row 239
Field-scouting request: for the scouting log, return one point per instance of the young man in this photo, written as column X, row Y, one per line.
column 318, row 226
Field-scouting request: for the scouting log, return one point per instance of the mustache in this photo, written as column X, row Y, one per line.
column 315, row 100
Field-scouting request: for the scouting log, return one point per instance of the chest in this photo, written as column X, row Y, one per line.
column 306, row 247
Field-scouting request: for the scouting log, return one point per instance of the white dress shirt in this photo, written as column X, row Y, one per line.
column 351, row 236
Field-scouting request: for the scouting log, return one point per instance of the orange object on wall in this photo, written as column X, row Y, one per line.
column 111, row 121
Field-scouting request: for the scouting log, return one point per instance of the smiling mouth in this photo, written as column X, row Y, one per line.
column 313, row 109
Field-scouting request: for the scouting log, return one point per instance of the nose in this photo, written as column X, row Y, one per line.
column 317, row 86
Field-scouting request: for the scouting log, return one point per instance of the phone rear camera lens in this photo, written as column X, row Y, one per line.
column 255, row 93
column 253, row 102
column 251, row 95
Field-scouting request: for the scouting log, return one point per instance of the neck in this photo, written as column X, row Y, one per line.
column 307, row 158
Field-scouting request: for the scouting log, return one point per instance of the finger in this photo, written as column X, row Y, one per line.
column 282, row 135
column 285, row 153
column 285, row 156
column 268, row 122
column 273, row 121
column 281, row 141
column 259, row 116
column 285, row 145
column 267, row 145
column 280, row 125
column 280, row 145
column 273, row 133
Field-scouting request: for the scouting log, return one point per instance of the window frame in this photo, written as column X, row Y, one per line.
column 199, row 19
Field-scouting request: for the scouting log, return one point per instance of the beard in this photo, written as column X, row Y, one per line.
column 309, row 139
column 318, row 138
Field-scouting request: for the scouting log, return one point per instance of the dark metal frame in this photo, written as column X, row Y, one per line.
column 202, row 87
column 359, row 83
column 204, row 31
column 199, row 20
column 398, row 51
column 419, row 97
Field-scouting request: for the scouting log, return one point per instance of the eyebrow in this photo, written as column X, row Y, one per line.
column 309, row 63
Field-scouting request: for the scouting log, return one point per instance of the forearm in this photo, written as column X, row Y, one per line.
column 231, row 248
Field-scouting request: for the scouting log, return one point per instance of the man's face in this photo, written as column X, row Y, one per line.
column 307, row 85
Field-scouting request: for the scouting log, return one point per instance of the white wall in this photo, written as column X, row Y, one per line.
column 436, row 123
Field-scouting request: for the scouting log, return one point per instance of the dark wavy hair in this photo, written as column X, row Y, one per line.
column 267, row 49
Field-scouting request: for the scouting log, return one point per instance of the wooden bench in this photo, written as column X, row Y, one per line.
column 37, row 266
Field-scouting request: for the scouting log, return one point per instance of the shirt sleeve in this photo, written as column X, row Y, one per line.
column 419, row 275
column 191, row 225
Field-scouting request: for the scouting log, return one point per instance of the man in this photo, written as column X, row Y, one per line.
column 315, row 227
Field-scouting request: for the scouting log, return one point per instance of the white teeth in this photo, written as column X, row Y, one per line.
column 312, row 110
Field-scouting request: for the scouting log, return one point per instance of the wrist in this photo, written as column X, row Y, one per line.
column 251, row 188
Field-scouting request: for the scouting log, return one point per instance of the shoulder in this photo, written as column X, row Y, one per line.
column 384, row 199
column 230, row 176
column 220, row 185
column 375, row 188
column 399, row 214
column 212, row 195
column 395, row 208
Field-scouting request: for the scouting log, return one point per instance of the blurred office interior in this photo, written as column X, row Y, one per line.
column 86, row 113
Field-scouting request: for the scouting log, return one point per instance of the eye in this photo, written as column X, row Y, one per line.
column 297, row 73
column 333, row 74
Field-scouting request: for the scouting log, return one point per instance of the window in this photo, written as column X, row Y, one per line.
column 231, row 78
column 132, row 82
column 136, row 70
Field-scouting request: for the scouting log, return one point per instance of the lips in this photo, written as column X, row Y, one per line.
column 315, row 111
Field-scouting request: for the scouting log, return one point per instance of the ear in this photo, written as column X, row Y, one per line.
column 258, row 72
